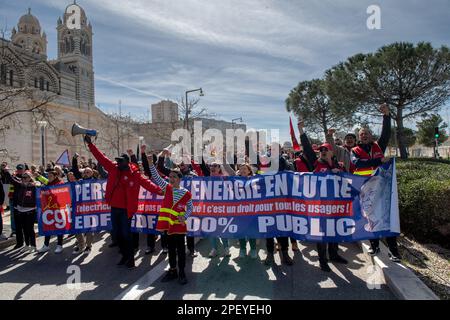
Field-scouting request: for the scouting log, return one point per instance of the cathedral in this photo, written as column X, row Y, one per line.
column 69, row 80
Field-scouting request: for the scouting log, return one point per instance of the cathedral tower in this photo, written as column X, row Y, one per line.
column 75, row 50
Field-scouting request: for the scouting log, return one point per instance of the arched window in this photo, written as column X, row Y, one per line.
column 11, row 78
column 35, row 82
column 41, row 84
column 47, row 84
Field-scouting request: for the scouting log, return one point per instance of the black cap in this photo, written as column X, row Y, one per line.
column 20, row 167
column 350, row 135
column 122, row 157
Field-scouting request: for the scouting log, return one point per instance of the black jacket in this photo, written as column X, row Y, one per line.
column 24, row 194
column 2, row 194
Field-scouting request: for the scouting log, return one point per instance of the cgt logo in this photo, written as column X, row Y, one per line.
column 60, row 218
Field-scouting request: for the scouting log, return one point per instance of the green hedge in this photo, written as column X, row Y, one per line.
column 424, row 199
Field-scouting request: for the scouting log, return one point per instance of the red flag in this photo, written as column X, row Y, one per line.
column 295, row 144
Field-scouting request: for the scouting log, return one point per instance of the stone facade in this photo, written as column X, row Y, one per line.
column 69, row 80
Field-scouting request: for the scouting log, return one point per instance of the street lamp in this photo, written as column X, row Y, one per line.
column 42, row 124
column 186, row 118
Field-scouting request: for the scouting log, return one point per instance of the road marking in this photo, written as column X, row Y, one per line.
column 143, row 284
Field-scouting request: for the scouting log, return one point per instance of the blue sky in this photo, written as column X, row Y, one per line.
column 246, row 55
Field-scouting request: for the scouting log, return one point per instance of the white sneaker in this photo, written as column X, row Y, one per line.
column 43, row 249
column 213, row 253
column 76, row 250
column 227, row 252
column 242, row 253
column 3, row 237
column 32, row 249
column 58, row 249
column 253, row 254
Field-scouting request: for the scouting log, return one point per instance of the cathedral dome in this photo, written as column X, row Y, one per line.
column 29, row 24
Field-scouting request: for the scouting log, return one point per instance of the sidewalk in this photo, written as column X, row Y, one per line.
column 7, row 231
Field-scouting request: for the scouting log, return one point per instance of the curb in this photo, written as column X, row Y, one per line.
column 402, row 281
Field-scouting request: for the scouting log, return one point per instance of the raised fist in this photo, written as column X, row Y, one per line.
column 143, row 148
column 150, row 159
column 384, row 109
column 87, row 139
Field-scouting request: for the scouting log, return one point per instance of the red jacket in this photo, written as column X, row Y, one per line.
column 300, row 165
column 169, row 212
column 122, row 188
column 322, row 166
column 375, row 153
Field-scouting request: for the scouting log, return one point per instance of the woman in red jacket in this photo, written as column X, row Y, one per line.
column 175, row 210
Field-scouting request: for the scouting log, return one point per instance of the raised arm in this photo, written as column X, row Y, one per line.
column 150, row 186
column 205, row 169
column 133, row 158
column 197, row 168
column 386, row 130
column 101, row 158
column 162, row 167
column 42, row 179
column 10, row 179
column 306, row 144
column 156, row 178
column 102, row 171
column 75, row 168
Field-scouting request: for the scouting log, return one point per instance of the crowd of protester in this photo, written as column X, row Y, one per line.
column 158, row 174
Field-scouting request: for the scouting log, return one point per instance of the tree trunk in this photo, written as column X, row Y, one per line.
column 400, row 139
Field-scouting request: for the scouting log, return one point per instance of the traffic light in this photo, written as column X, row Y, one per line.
column 436, row 132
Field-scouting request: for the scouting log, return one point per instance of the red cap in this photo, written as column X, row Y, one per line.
column 326, row 145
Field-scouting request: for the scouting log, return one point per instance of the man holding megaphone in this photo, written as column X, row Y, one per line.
column 122, row 191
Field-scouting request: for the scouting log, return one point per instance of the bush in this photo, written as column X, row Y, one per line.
column 424, row 199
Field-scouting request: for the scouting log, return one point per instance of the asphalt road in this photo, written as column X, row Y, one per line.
column 34, row 276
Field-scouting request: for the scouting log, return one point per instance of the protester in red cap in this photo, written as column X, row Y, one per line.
column 326, row 163
column 122, row 192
